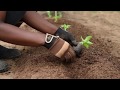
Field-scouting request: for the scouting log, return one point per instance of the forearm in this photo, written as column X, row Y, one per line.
column 36, row 21
column 15, row 35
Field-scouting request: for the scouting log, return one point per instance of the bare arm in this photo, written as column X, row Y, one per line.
column 15, row 35
column 36, row 21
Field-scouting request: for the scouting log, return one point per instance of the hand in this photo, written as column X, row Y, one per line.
column 78, row 49
column 59, row 47
column 66, row 36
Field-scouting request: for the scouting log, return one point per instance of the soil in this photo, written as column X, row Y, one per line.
column 97, row 62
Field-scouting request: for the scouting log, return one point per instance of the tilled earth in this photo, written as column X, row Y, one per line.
column 97, row 62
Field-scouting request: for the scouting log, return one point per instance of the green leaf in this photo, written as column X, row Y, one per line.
column 85, row 42
column 86, row 45
column 65, row 26
column 90, row 43
column 56, row 18
column 88, row 38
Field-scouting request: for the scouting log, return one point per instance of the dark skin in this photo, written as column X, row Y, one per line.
column 12, row 34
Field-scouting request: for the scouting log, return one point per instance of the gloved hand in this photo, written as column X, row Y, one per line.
column 78, row 49
column 59, row 47
column 66, row 36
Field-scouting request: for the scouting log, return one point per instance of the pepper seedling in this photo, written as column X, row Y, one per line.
column 65, row 26
column 57, row 16
column 86, row 42
column 49, row 14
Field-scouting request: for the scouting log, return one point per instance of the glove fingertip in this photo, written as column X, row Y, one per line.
column 75, row 43
column 78, row 49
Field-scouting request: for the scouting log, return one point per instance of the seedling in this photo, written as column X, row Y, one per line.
column 65, row 26
column 49, row 14
column 57, row 16
column 86, row 42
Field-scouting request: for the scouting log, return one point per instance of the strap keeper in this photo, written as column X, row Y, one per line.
column 49, row 38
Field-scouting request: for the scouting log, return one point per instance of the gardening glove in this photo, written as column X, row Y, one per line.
column 66, row 36
column 78, row 49
column 59, row 47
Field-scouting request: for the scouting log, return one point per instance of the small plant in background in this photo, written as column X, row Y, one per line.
column 49, row 14
column 55, row 15
column 86, row 42
column 65, row 26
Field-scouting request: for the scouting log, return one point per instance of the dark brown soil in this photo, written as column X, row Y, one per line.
column 95, row 62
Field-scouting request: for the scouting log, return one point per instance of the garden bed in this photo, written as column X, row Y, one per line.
column 95, row 62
